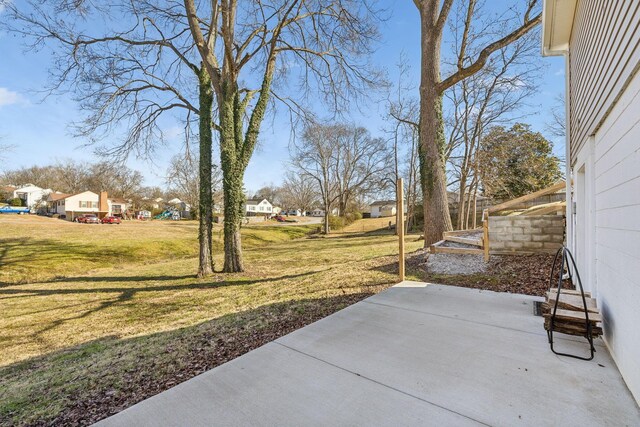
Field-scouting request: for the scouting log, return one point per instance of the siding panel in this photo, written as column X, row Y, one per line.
column 604, row 52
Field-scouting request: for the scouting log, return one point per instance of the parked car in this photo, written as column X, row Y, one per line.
column 279, row 218
column 14, row 209
column 88, row 219
column 111, row 220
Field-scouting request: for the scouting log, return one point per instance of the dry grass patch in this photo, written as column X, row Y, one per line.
column 85, row 345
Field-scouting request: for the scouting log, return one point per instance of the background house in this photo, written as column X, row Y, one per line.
column 117, row 207
column 383, row 208
column 54, row 200
column 32, row 195
column 601, row 44
column 83, row 203
column 255, row 207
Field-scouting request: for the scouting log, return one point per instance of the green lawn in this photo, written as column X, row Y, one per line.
column 98, row 317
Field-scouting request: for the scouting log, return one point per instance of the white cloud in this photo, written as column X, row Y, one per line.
column 9, row 97
column 4, row 4
column 560, row 72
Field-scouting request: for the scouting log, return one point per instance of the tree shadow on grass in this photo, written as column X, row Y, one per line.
column 28, row 253
column 91, row 381
column 198, row 285
column 125, row 294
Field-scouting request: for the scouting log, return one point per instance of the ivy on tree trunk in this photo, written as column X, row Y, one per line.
column 205, row 267
column 433, row 19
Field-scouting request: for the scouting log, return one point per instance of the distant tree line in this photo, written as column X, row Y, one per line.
column 72, row 177
column 118, row 180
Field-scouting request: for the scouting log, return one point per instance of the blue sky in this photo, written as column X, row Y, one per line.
column 38, row 128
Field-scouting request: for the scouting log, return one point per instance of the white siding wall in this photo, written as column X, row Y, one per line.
column 604, row 52
column 72, row 204
column 617, row 228
column 604, row 131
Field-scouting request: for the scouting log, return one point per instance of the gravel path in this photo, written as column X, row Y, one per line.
column 455, row 264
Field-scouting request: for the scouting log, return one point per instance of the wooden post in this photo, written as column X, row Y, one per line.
column 400, row 225
column 485, row 237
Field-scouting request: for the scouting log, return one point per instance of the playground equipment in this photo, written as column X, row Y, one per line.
column 170, row 213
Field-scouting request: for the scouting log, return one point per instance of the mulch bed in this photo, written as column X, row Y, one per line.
column 205, row 352
column 522, row 274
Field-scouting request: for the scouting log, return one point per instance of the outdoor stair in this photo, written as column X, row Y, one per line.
column 467, row 242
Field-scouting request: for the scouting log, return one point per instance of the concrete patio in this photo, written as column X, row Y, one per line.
column 412, row 355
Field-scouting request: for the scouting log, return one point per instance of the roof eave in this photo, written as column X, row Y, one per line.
column 557, row 23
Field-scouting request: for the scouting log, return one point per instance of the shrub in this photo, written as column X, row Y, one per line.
column 16, row 202
column 336, row 222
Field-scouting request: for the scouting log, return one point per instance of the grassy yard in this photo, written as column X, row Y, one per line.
column 98, row 317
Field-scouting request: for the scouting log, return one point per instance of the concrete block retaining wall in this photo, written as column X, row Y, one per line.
column 513, row 234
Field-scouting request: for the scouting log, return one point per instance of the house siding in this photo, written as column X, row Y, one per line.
column 617, row 230
column 604, row 53
column 604, row 152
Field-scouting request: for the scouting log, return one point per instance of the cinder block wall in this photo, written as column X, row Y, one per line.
column 513, row 234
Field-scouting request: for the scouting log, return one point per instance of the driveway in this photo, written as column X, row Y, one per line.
column 411, row 355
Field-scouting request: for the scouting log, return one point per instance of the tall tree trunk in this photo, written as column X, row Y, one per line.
column 327, row 229
column 432, row 140
column 232, row 177
column 233, row 214
column 205, row 209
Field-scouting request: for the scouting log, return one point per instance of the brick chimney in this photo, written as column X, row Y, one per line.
column 103, row 206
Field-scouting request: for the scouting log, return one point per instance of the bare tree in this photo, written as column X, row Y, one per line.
column 314, row 157
column 245, row 47
column 133, row 75
column 183, row 179
column 557, row 125
column 73, row 177
column 117, row 180
column 299, row 192
column 5, row 149
column 360, row 163
column 490, row 97
column 495, row 35
column 270, row 192
column 343, row 160
column 403, row 114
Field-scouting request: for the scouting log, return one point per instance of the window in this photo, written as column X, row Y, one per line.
column 116, row 209
column 262, row 208
column 87, row 204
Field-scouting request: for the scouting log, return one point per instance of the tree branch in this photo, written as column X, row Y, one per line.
column 486, row 52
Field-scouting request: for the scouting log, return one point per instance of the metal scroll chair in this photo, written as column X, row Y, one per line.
column 570, row 311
